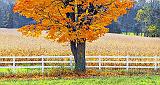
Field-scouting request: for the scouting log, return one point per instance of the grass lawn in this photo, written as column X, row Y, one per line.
column 132, row 34
column 18, row 70
column 145, row 80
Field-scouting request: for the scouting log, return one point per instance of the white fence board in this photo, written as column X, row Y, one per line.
column 99, row 62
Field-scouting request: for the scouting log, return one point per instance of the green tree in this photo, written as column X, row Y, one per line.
column 149, row 16
column 152, row 30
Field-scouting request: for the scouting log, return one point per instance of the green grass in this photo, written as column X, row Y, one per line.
column 132, row 34
column 134, row 72
column 19, row 70
column 150, row 80
column 26, row 70
column 116, row 80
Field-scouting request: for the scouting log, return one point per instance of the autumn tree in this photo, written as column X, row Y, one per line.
column 74, row 21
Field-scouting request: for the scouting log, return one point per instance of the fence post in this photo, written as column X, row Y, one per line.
column 42, row 64
column 14, row 64
column 71, row 65
column 99, row 62
column 127, row 63
column 155, row 63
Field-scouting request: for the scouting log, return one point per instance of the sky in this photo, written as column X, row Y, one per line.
column 8, row 1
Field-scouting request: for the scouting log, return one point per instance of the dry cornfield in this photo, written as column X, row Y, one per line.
column 12, row 43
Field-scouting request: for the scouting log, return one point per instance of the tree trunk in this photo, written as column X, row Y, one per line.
column 78, row 51
column 126, row 31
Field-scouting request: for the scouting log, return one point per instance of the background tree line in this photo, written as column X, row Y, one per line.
column 143, row 19
column 8, row 19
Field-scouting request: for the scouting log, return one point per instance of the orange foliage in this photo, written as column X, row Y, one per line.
column 51, row 16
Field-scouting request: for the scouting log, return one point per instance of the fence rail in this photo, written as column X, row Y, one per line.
column 155, row 60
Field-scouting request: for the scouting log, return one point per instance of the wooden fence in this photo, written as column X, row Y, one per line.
column 155, row 61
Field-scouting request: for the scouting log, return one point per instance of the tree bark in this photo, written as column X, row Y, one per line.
column 78, row 51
